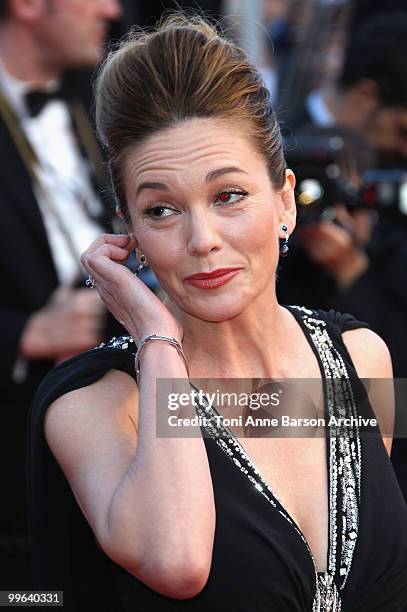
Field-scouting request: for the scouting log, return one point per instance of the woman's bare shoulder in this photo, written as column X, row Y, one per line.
column 113, row 396
column 372, row 360
column 369, row 353
column 92, row 433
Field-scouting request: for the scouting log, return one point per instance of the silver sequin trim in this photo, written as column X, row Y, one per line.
column 121, row 343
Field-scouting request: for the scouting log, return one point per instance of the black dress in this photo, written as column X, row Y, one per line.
column 261, row 560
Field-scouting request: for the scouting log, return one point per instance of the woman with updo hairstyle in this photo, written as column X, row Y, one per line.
column 147, row 493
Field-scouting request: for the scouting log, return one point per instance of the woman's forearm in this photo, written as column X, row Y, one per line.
column 161, row 520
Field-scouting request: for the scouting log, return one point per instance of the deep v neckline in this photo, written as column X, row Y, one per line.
column 252, row 465
column 328, row 457
column 327, row 597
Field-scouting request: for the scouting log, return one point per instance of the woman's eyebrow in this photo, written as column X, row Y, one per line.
column 150, row 186
column 211, row 176
column 214, row 174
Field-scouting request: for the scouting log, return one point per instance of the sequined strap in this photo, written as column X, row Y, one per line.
column 345, row 455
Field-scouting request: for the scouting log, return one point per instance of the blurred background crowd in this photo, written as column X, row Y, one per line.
column 337, row 75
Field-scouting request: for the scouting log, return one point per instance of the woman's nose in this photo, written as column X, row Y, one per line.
column 203, row 234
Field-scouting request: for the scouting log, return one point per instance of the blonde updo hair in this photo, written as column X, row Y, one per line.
column 183, row 69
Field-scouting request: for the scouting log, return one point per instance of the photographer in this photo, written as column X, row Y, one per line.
column 334, row 226
column 349, row 257
column 369, row 97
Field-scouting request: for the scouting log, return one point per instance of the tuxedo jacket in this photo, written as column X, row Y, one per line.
column 28, row 272
column 28, row 278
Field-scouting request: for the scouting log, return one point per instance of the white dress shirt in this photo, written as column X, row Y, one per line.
column 64, row 176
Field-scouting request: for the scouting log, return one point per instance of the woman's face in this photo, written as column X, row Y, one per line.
column 200, row 199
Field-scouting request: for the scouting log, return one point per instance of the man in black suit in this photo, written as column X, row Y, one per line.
column 50, row 210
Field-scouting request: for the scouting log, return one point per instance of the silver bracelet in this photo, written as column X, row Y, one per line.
column 142, row 344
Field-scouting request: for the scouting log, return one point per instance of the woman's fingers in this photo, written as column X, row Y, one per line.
column 120, row 240
column 111, row 251
column 116, row 247
column 106, row 266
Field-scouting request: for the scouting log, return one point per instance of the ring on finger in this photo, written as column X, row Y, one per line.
column 90, row 282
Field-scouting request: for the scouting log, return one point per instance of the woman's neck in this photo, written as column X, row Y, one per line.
column 249, row 345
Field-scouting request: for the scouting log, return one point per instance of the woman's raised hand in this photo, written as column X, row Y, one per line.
column 129, row 300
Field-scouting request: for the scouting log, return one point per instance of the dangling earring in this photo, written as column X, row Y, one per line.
column 143, row 262
column 284, row 248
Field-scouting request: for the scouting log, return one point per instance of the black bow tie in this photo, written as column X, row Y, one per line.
column 37, row 99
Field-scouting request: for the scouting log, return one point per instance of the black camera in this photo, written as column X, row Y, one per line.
column 326, row 175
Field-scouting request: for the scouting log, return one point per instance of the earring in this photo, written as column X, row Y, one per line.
column 284, row 248
column 143, row 262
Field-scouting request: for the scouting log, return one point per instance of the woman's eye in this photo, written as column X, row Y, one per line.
column 157, row 212
column 160, row 211
column 230, row 197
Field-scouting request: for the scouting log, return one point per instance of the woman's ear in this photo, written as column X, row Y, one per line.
column 119, row 212
column 119, row 224
column 135, row 244
column 288, row 210
column 124, row 223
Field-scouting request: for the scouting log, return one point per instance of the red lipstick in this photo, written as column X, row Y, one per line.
column 211, row 280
